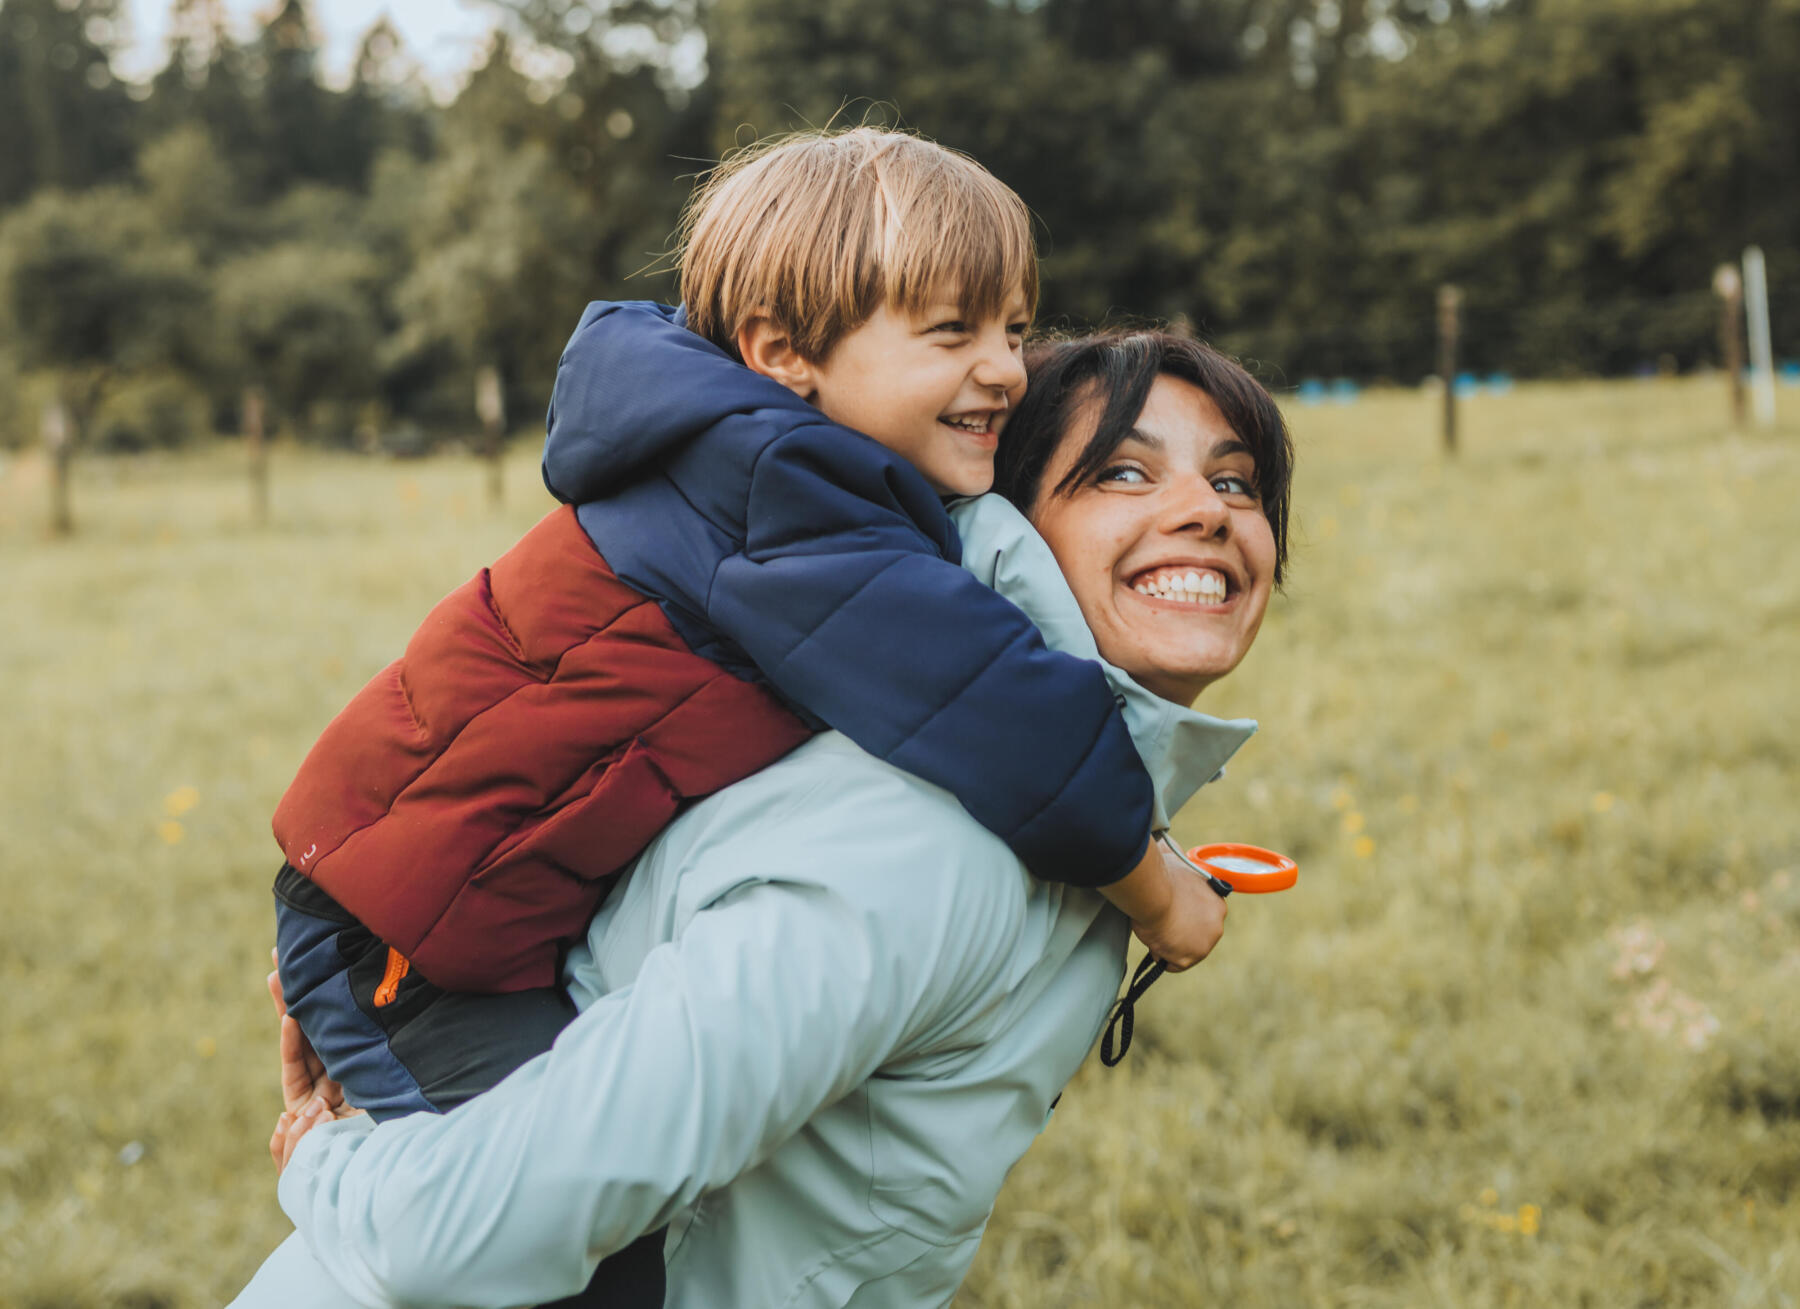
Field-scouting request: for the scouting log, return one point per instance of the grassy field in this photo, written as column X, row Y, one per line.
column 1528, row 1032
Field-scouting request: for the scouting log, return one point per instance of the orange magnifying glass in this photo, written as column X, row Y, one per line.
column 1247, row 868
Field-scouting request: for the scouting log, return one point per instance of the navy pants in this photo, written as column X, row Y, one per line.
column 400, row 1045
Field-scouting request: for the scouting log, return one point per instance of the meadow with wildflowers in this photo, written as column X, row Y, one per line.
column 1525, row 1034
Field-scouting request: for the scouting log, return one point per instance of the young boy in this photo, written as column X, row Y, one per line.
column 760, row 548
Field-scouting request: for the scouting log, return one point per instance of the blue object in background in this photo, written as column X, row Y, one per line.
column 1311, row 391
column 1790, row 372
column 1467, row 384
column 1499, row 383
column 1344, row 391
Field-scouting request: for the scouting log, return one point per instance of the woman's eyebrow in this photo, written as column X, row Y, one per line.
column 1142, row 438
column 1231, row 446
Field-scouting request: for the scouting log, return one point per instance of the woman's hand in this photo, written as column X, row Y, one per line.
column 308, row 1095
column 1173, row 911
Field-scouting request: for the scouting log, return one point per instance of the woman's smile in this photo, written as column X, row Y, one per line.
column 1187, row 582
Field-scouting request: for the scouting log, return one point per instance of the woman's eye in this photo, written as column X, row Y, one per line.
column 1232, row 484
column 1122, row 473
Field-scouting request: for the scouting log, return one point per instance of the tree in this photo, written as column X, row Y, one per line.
column 207, row 83
column 91, row 291
column 501, row 242
column 192, row 192
column 302, row 321
column 64, row 121
column 387, row 105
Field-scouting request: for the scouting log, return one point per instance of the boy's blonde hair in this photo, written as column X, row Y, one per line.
column 819, row 229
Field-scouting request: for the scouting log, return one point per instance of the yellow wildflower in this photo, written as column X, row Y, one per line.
column 180, row 801
column 171, row 831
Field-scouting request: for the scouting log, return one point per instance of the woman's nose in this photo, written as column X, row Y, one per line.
column 1196, row 508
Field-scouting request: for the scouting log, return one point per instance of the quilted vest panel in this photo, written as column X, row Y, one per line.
column 471, row 804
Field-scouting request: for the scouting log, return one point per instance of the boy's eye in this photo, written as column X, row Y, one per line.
column 955, row 325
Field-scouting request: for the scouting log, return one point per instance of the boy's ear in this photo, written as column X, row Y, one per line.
column 767, row 348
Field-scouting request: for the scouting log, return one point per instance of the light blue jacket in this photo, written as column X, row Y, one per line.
column 821, row 1020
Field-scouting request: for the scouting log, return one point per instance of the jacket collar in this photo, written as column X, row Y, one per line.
column 1183, row 749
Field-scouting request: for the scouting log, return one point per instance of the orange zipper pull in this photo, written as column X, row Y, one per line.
column 397, row 967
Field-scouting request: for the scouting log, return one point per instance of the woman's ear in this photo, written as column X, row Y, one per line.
column 767, row 348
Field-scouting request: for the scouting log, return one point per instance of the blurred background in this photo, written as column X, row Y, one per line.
column 357, row 212
column 282, row 290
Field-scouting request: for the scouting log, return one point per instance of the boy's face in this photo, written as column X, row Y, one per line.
column 934, row 387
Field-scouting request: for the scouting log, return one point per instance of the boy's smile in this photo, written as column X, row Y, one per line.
column 935, row 387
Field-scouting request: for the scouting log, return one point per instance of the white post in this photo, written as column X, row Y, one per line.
column 1762, row 354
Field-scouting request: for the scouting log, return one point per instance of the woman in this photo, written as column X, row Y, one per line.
column 829, row 1068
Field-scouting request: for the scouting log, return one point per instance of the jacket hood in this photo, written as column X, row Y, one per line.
column 633, row 386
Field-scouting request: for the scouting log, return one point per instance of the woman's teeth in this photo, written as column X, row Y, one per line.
column 1192, row 587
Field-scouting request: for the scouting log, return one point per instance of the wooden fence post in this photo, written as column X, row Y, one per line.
column 256, row 445
column 490, row 406
column 1729, row 287
column 1449, row 306
column 59, row 444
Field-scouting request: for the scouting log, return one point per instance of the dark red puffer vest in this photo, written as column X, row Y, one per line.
column 471, row 804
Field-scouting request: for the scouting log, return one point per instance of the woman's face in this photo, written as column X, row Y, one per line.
column 1166, row 547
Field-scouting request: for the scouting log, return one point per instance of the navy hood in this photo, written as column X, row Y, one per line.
column 614, row 411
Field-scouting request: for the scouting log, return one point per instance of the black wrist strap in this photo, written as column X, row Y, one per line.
column 1123, row 1015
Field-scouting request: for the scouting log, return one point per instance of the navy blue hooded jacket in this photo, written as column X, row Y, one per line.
column 789, row 548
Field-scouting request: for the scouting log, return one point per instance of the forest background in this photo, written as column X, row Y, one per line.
column 1293, row 178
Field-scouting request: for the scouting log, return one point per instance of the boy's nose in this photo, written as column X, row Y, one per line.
column 1000, row 367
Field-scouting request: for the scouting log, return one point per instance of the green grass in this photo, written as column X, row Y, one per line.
column 1525, row 1034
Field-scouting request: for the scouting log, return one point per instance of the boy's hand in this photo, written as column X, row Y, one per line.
column 309, row 1096
column 1173, row 911
column 1190, row 925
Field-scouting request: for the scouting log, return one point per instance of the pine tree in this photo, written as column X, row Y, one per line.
column 64, row 120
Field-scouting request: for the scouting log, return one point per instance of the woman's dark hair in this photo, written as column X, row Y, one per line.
column 1120, row 368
